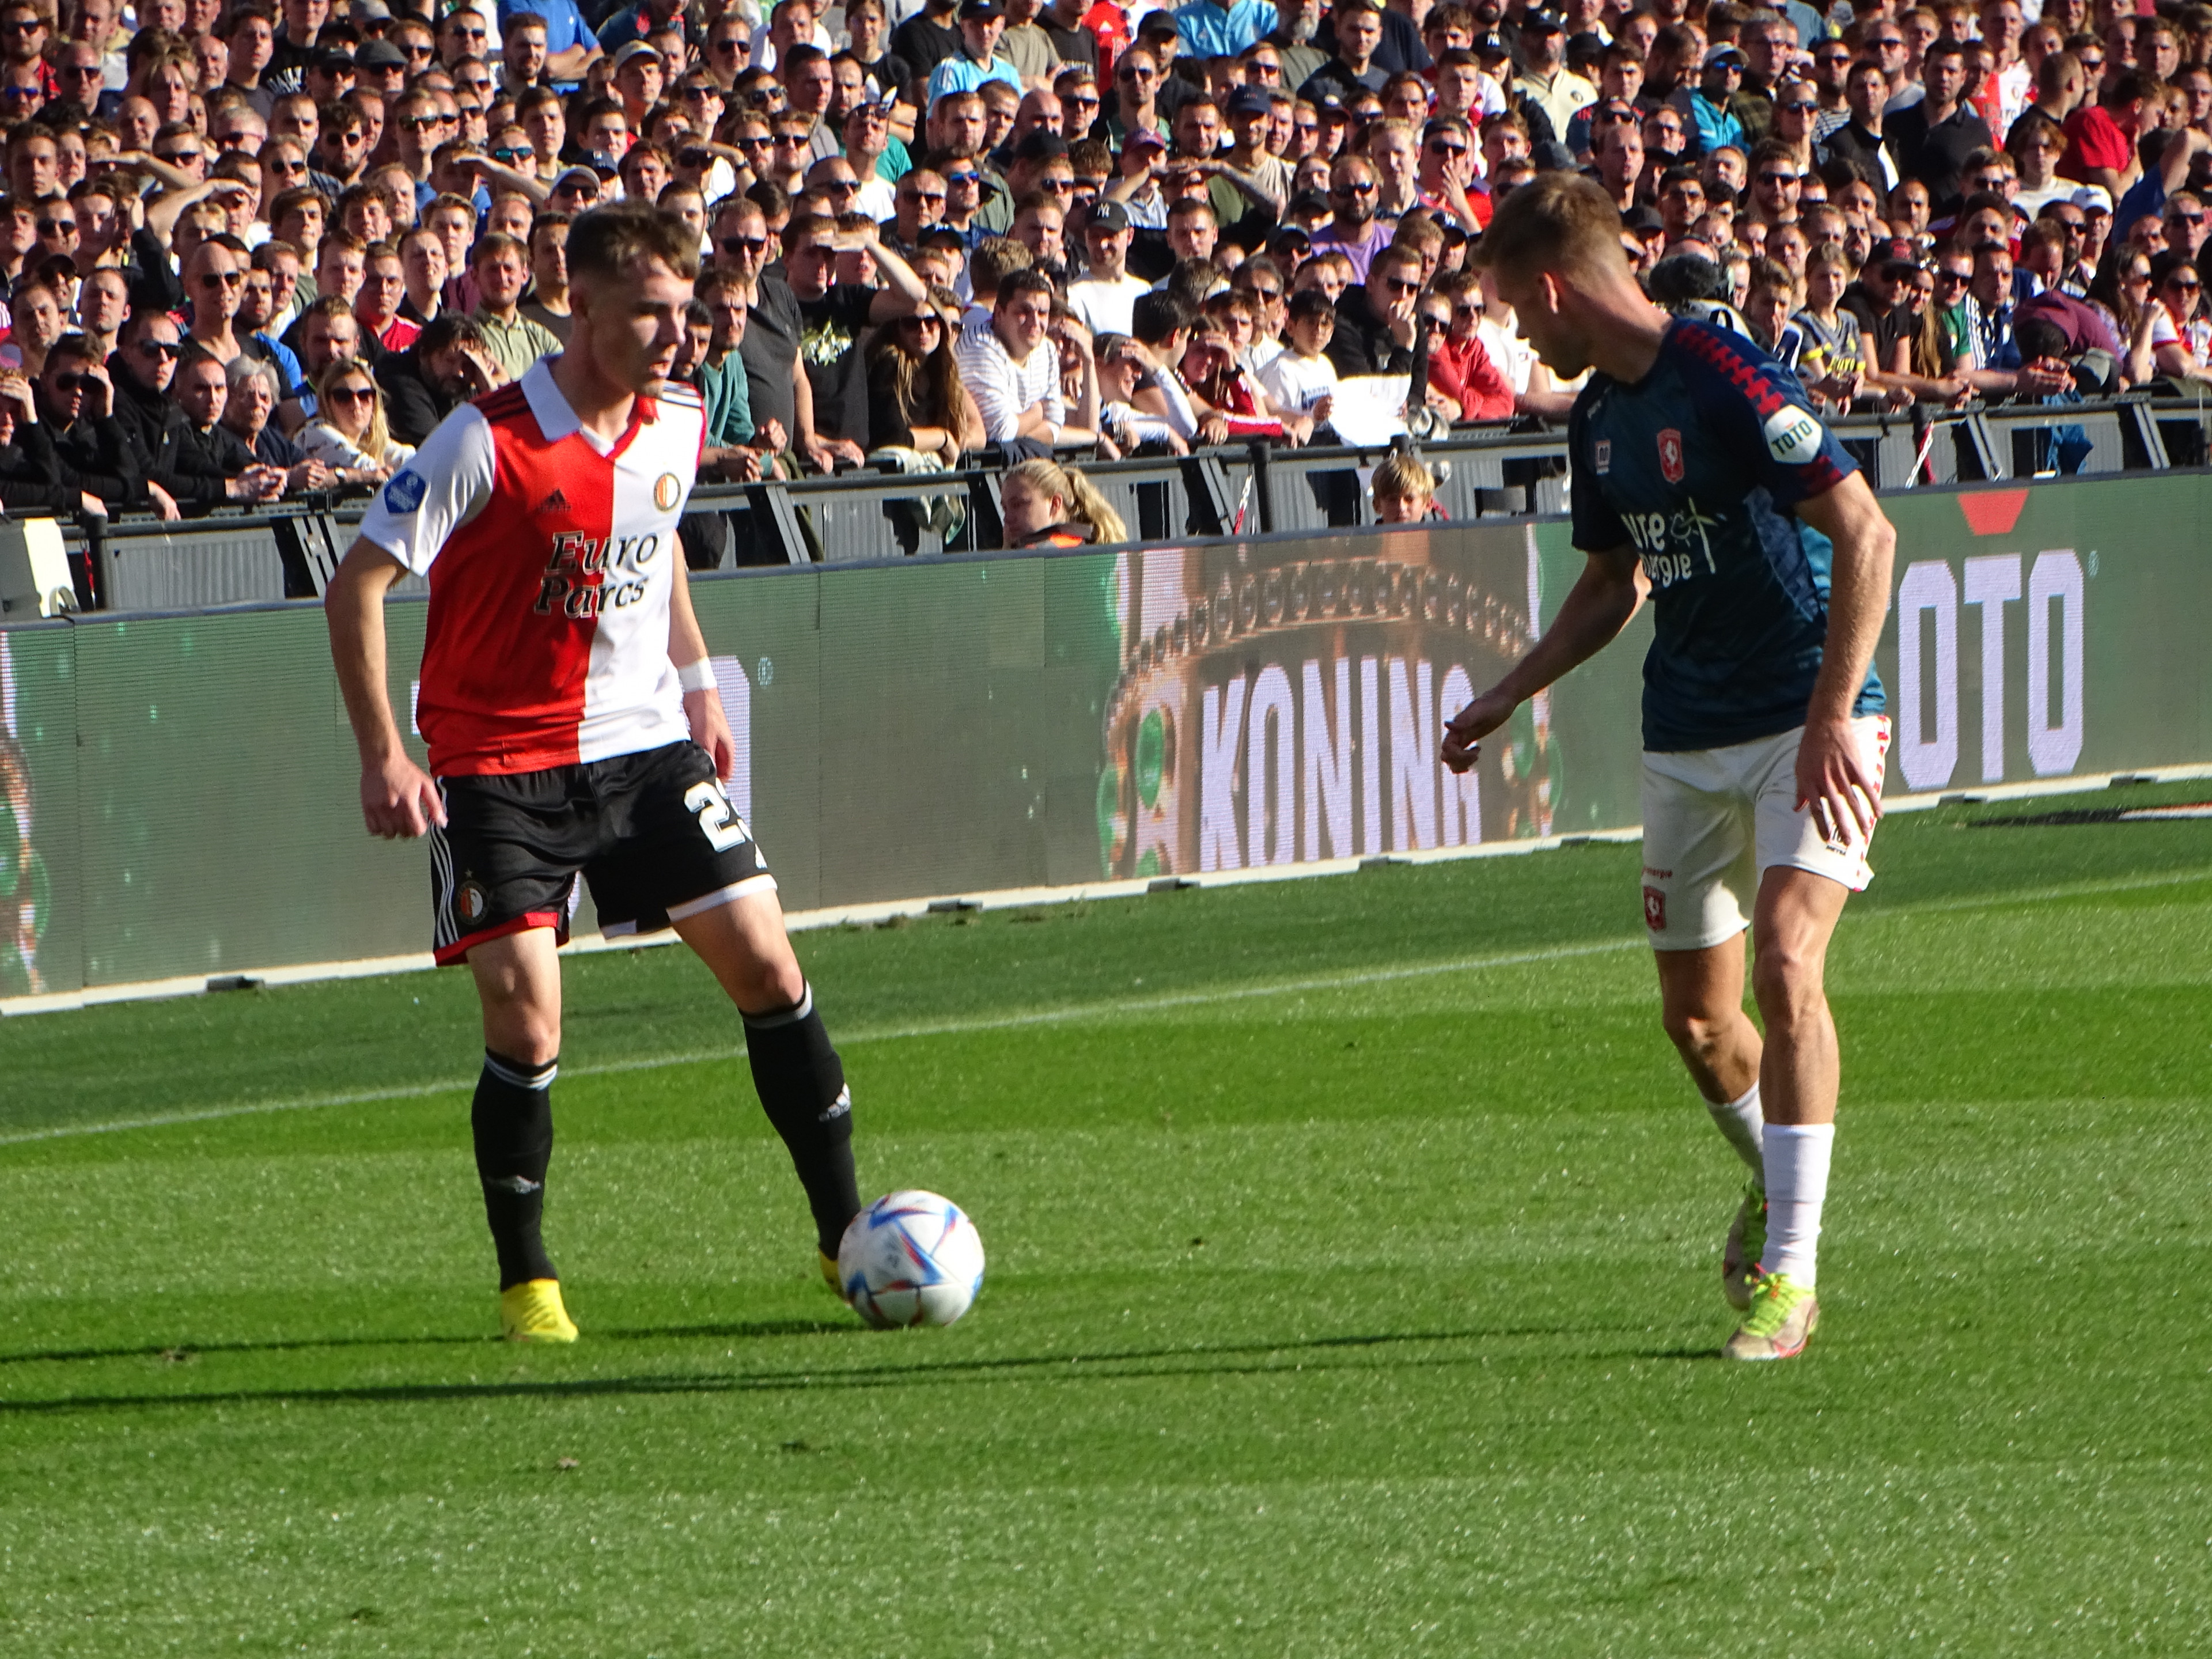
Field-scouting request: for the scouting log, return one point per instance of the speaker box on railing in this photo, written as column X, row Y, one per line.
column 34, row 572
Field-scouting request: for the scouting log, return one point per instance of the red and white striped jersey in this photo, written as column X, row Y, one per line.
column 551, row 561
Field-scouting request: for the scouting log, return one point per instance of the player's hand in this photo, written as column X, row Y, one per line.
column 398, row 800
column 1465, row 731
column 710, row 730
column 1834, row 779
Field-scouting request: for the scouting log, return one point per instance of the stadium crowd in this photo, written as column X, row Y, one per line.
column 263, row 246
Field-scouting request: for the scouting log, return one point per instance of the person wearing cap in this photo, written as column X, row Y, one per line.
column 981, row 24
column 380, row 69
column 1104, row 298
column 1249, row 164
column 1198, row 153
column 1708, row 106
column 1544, row 79
column 1156, row 33
column 1138, row 190
column 571, row 48
column 1222, row 28
column 637, row 81
column 1351, row 68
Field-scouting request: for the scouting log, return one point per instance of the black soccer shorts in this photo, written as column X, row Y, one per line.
column 654, row 833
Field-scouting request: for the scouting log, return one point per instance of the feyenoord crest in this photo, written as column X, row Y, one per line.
column 1655, row 910
column 666, row 491
column 1670, row 454
column 470, row 902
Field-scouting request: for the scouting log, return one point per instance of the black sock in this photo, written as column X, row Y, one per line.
column 802, row 1088
column 512, row 1118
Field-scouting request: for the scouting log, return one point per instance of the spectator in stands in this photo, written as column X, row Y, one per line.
column 1353, row 230
column 376, row 304
column 40, row 313
column 328, row 331
column 501, row 266
column 833, row 317
column 92, row 450
column 449, row 364
column 252, row 397
column 913, row 385
column 1011, row 369
column 1374, row 324
column 1044, row 504
column 1459, row 363
column 200, row 390
column 547, row 302
column 163, row 445
column 350, row 434
column 1405, row 489
column 30, row 475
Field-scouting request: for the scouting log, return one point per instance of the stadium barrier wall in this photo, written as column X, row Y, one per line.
column 178, row 793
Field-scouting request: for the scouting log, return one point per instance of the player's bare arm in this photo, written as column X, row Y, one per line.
column 702, row 704
column 1831, row 769
column 398, row 798
column 1602, row 601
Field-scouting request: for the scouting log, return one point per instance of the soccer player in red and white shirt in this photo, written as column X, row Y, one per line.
column 575, row 728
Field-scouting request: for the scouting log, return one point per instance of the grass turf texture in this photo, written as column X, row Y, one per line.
column 1353, row 1290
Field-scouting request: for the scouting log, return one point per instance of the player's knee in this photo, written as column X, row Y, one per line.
column 523, row 1034
column 1787, row 983
column 1697, row 1035
column 771, row 983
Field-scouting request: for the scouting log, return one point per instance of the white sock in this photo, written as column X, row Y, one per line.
column 1797, row 1157
column 1740, row 1119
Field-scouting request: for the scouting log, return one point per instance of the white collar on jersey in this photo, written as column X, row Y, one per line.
column 556, row 419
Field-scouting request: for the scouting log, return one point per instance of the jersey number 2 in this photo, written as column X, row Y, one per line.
column 718, row 819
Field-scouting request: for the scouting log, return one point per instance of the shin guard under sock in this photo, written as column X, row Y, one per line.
column 513, row 1121
column 802, row 1088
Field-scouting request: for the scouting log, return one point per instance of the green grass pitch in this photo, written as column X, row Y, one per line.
column 1353, row 1291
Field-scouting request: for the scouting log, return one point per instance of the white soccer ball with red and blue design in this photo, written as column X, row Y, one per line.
column 910, row 1258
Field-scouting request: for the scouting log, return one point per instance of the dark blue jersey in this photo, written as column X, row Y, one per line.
column 1698, row 466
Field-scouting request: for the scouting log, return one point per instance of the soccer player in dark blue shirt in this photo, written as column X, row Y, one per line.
column 1704, row 482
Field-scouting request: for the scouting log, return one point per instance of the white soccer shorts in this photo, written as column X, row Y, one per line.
column 1715, row 820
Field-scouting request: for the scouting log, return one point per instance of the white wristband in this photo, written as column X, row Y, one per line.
column 698, row 676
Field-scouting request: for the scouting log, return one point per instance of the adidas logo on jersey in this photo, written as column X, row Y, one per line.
column 556, row 502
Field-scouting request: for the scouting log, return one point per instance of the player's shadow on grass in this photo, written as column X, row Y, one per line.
column 764, row 1327
column 1227, row 1360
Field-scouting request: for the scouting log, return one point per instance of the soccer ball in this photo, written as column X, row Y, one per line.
column 910, row 1259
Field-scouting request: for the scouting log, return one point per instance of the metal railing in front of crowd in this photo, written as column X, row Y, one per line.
column 131, row 563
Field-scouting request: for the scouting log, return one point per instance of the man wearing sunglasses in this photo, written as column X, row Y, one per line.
column 161, row 440
column 1353, row 230
column 95, row 454
column 214, row 277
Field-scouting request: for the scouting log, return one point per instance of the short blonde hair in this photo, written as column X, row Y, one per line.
column 1557, row 221
column 1403, row 476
